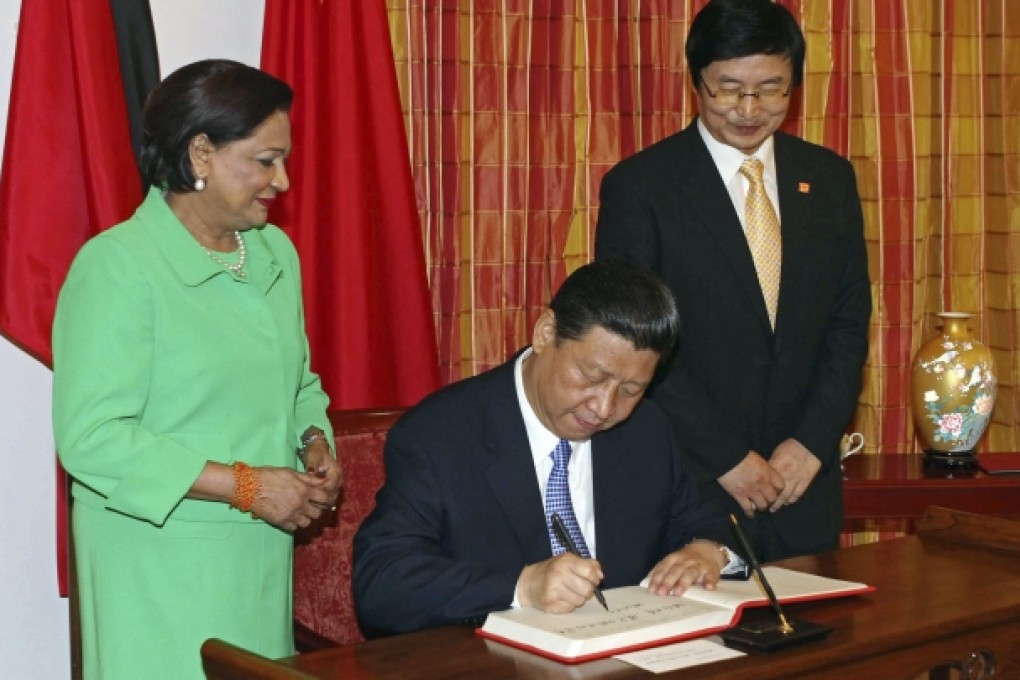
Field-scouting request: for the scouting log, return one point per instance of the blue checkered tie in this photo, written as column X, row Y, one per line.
column 557, row 499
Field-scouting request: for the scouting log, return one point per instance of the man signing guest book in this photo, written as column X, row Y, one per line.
column 474, row 473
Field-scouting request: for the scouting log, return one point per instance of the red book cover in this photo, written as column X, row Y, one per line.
column 637, row 619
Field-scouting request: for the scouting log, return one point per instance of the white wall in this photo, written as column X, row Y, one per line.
column 33, row 618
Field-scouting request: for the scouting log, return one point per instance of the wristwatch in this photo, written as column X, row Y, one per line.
column 311, row 434
column 735, row 568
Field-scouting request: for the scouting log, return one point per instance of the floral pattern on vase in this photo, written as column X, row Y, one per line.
column 953, row 383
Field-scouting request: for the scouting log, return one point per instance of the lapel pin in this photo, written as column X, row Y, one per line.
column 804, row 188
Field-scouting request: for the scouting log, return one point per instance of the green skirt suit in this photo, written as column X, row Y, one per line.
column 163, row 360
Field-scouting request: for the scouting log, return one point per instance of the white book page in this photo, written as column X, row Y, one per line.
column 786, row 583
column 631, row 608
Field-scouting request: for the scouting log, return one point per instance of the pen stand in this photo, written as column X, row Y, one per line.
column 765, row 634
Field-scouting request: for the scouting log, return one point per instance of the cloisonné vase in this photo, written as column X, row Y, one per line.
column 952, row 386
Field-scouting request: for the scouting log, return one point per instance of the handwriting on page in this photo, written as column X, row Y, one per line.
column 590, row 622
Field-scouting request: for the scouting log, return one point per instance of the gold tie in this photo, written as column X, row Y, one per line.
column 761, row 226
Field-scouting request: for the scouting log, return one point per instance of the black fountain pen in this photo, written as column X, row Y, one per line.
column 785, row 626
column 564, row 537
column 753, row 635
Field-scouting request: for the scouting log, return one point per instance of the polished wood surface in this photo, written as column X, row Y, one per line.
column 942, row 595
column 224, row 661
column 896, row 487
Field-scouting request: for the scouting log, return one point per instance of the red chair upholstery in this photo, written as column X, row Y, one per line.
column 323, row 598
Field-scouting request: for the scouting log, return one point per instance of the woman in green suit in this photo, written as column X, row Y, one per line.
column 184, row 405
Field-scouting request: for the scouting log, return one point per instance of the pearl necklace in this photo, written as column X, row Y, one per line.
column 236, row 269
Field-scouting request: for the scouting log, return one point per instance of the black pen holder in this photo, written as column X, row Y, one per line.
column 767, row 635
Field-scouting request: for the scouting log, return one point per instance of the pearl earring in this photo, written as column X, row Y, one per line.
column 200, row 184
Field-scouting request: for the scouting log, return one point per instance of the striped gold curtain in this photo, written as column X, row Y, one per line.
column 516, row 109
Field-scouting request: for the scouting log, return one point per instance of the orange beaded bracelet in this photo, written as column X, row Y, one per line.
column 247, row 485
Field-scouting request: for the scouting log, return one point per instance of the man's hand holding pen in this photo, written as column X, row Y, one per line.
column 563, row 583
column 559, row 585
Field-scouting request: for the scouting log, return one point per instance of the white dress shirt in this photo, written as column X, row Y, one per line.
column 542, row 442
column 728, row 161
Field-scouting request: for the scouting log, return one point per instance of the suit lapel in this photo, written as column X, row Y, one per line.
column 707, row 193
column 795, row 183
column 510, row 469
column 607, row 468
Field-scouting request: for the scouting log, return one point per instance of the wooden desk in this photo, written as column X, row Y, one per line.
column 891, row 487
column 942, row 594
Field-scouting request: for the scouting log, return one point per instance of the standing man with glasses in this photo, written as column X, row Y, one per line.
column 760, row 237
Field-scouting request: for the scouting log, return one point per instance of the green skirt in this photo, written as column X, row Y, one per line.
column 150, row 596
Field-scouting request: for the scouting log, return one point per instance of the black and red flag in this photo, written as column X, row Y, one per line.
column 68, row 167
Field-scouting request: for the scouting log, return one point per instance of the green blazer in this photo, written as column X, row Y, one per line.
column 164, row 360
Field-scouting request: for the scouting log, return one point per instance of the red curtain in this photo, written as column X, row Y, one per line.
column 351, row 210
column 517, row 109
column 68, row 170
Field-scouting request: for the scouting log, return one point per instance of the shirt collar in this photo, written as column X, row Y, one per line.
column 541, row 440
column 728, row 160
column 187, row 257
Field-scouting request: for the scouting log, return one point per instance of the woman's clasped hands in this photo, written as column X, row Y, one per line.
column 291, row 500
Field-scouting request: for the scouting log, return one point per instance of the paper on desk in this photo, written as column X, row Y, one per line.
column 680, row 655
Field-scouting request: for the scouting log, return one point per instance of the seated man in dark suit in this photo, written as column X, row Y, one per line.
column 475, row 471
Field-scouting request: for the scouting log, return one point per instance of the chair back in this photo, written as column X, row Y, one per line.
column 224, row 661
column 324, row 613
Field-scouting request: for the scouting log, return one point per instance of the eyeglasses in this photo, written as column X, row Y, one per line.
column 767, row 95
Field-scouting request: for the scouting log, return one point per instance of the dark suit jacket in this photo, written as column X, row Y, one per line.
column 733, row 385
column 460, row 514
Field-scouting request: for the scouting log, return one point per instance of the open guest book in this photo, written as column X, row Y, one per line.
column 637, row 619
